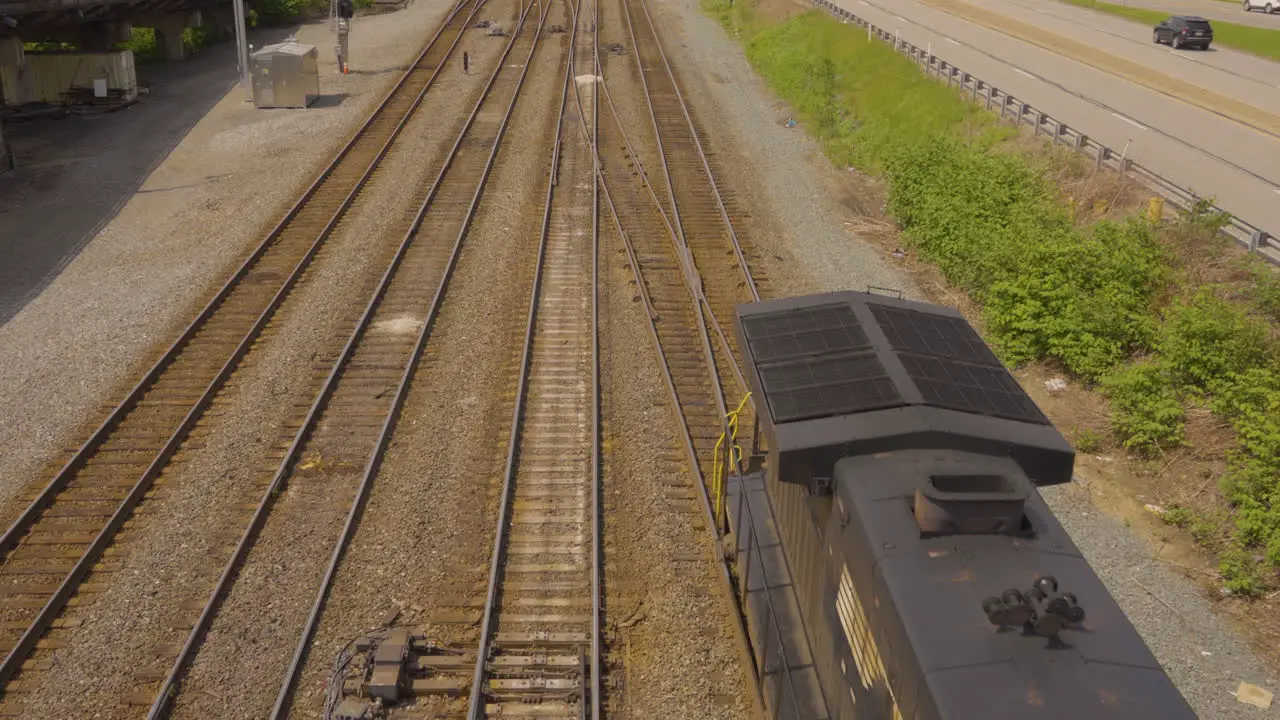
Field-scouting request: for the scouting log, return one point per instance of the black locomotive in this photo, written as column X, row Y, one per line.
column 892, row 553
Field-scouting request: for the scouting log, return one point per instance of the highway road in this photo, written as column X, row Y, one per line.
column 1207, row 121
column 1232, row 12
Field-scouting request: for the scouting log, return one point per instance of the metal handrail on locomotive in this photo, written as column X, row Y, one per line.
column 891, row 551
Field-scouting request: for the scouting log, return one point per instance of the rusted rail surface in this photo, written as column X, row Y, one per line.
column 722, row 276
column 676, row 244
column 541, row 626
column 351, row 421
column 55, row 542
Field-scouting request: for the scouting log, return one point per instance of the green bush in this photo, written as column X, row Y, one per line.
column 1147, row 415
column 277, row 12
column 1264, row 289
column 1241, row 572
column 1178, row 516
column 1082, row 298
column 1206, row 339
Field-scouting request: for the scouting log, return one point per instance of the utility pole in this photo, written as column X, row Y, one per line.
column 242, row 47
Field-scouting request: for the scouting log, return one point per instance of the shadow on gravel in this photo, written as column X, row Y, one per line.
column 75, row 172
column 329, row 101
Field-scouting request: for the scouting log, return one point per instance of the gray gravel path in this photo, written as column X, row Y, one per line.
column 1196, row 647
column 804, row 201
column 814, row 252
column 75, row 173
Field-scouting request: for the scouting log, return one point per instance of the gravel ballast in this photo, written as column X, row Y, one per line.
column 180, row 540
column 675, row 636
column 427, row 532
column 114, row 309
column 248, row 646
column 177, row 544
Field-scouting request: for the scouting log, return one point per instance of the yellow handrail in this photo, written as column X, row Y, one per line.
column 719, row 469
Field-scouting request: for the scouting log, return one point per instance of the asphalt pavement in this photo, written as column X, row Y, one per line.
column 1208, row 121
column 1232, row 12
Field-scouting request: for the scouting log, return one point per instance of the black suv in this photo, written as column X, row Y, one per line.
column 1184, row 31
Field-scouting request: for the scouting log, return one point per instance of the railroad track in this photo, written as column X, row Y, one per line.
column 665, row 271
column 689, row 265
column 540, row 639
column 324, row 477
column 701, row 220
column 73, row 517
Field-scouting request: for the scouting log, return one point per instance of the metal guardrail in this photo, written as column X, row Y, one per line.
column 1010, row 108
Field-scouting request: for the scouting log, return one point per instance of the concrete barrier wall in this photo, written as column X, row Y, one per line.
column 45, row 77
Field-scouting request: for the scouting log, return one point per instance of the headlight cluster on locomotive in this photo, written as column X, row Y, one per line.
column 892, row 553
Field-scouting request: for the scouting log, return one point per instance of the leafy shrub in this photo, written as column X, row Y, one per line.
column 275, row 12
column 1178, row 516
column 1083, row 299
column 1241, row 572
column 1086, row 441
column 1148, row 416
column 1206, row 339
column 1264, row 290
column 1251, row 401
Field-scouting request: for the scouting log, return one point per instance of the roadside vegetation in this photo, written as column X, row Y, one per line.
column 1162, row 317
column 1256, row 40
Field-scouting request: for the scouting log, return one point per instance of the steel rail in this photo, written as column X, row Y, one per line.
column 591, row 670
column 597, row 504
column 717, row 389
column 686, row 440
column 704, row 302
column 281, row 709
column 715, row 191
column 30, row 516
column 603, row 187
column 666, row 221
column 740, row 630
column 702, row 155
column 692, row 265
column 159, row 708
column 692, row 278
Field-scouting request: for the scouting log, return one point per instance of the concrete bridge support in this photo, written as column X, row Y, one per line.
column 169, row 28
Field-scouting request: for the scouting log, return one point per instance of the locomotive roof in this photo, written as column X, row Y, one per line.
column 926, row 595
column 844, row 368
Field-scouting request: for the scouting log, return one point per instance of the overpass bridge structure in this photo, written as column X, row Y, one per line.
column 94, row 28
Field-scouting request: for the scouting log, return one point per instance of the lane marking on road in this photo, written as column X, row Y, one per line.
column 1020, row 71
column 1276, row 190
column 902, row 19
column 1131, row 121
column 953, row 42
